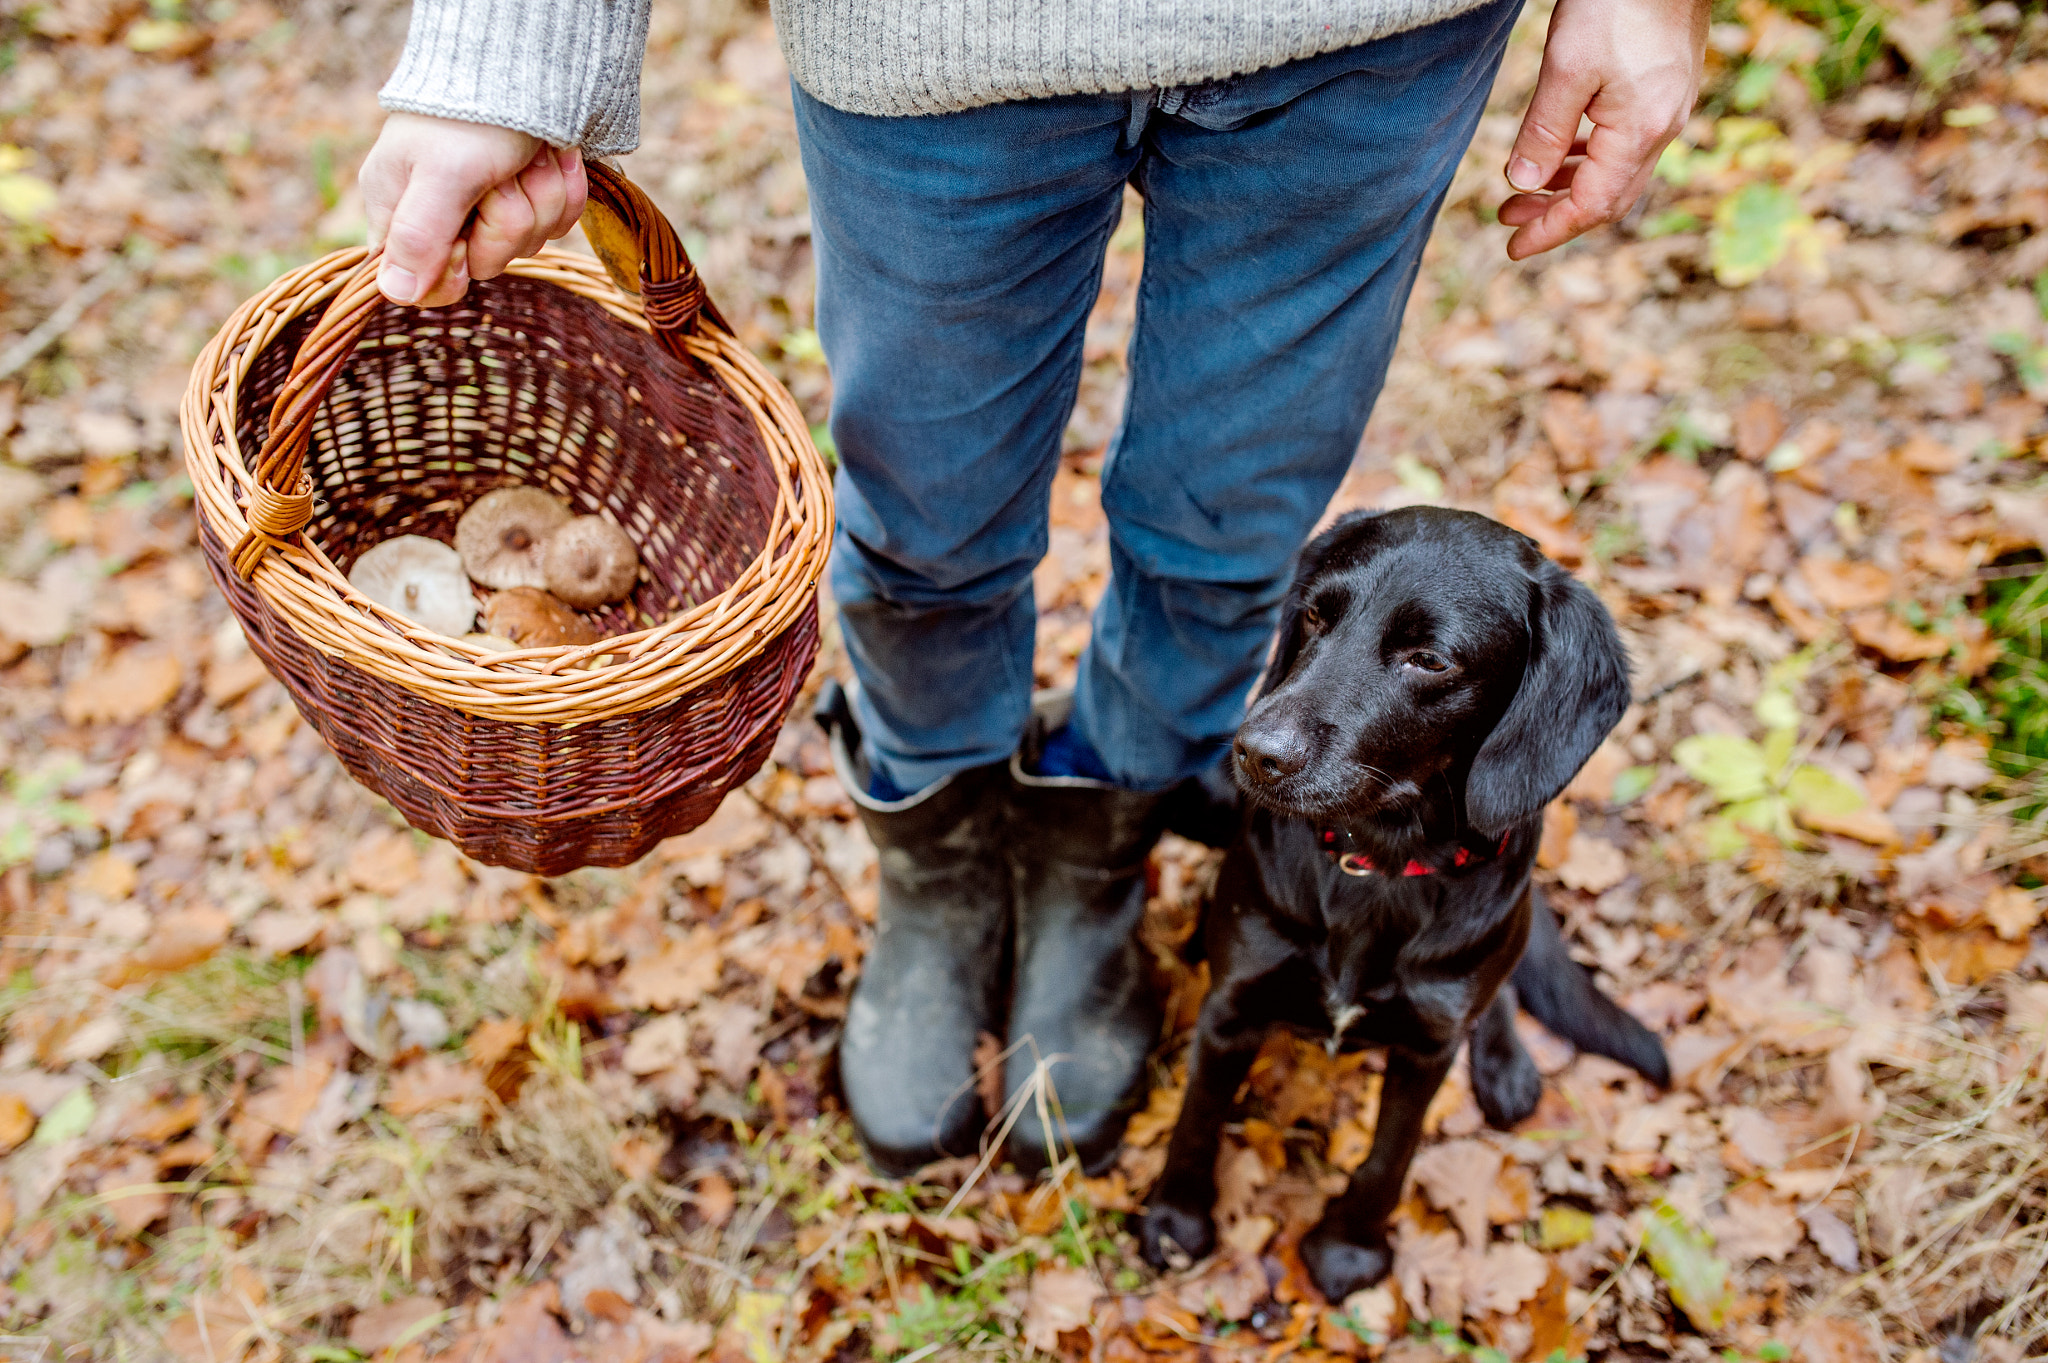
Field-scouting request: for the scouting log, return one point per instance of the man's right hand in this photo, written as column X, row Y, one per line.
column 425, row 176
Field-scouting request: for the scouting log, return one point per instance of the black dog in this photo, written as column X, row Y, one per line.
column 1437, row 682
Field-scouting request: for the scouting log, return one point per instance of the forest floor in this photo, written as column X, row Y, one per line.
column 281, row 1079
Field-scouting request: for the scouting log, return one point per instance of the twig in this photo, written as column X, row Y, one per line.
column 17, row 356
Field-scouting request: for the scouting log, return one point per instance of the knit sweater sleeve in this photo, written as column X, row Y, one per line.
column 566, row 71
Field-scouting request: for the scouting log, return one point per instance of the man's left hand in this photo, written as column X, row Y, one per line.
column 1633, row 68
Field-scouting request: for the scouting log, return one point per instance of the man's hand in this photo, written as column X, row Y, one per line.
column 424, row 178
column 1633, row 68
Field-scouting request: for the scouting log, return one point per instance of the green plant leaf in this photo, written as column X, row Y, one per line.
column 1753, row 229
column 1776, row 709
column 1815, row 790
column 1777, row 751
column 1683, row 1256
column 1562, row 1226
column 1753, row 84
column 1733, row 768
column 1766, row 814
column 1721, row 839
column 1630, row 784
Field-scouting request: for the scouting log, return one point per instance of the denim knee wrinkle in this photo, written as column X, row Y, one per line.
column 958, row 257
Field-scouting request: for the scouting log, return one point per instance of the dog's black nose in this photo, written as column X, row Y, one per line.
column 1265, row 755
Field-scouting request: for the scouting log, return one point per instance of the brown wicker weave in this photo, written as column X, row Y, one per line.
column 368, row 420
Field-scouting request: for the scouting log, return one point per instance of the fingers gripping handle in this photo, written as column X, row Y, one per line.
column 639, row 247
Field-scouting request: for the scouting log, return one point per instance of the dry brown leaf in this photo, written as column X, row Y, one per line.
column 377, row 1329
column 1833, row 1238
column 290, row 1096
column 736, row 827
column 177, row 941
column 716, row 1199
column 159, row 1119
column 1458, row 1178
column 1350, row 1143
column 677, row 975
column 1756, row 1225
column 129, row 1196
column 1060, row 1300
column 1592, row 864
column 1843, row 585
column 1966, row 956
column 1249, row 1235
column 431, row 1083
column 384, row 863
column 1832, row 1340
column 1759, row 427
column 1756, row 1141
column 17, row 1123
column 656, row 1045
column 280, row 932
column 1229, row 1289
column 1868, row 824
column 1595, row 781
column 1928, row 455
column 637, row 1154
column 1506, row 1277
column 110, row 876
column 1887, row 634
column 2012, row 911
column 1239, row 1175
column 1560, row 823
column 133, row 683
column 1430, row 1268
column 493, row 1040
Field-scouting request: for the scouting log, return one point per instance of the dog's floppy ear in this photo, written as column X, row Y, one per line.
column 1309, row 562
column 1574, row 690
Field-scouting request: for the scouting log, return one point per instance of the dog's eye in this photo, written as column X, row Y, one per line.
column 1311, row 620
column 1428, row 661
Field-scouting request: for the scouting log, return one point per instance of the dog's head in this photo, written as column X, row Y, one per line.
column 1422, row 647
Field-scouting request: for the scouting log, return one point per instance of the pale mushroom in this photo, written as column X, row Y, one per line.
column 419, row 578
column 490, row 643
column 531, row 618
column 590, row 562
column 501, row 534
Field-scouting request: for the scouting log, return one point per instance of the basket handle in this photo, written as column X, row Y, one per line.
column 639, row 248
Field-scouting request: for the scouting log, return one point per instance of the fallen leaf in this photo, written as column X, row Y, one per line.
column 280, row 932
column 756, row 1317
column 1592, row 864
column 1509, row 1275
column 1350, row 1143
column 1833, row 1238
column 1561, row 1226
column 636, row 1155
column 1684, row 1258
column 716, row 1200
column 162, row 1118
column 284, row 1104
column 133, row 683
column 1758, row 1142
column 69, row 1116
column 397, row 1322
column 1843, row 585
column 432, row 1083
column 656, row 1045
column 1968, row 955
column 1885, row 633
column 1458, row 1178
column 1249, row 1235
column 17, row 1123
column 384, row 863
column 1756, row 1225
column 1560, row 822
column 110, row 876
column 2012, row 911
column 492, row 1040
column 1832, row 1340
column 129, row 1195
column 177, row 941
column 677, row 975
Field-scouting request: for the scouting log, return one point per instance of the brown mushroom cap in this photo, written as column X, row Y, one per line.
column 419, row 578
column 590, row 562
column 531, row 618
column 501, row 534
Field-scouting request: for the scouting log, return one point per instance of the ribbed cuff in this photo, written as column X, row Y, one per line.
column 565, row 71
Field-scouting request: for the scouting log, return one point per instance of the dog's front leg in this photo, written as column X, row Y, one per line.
column 1348, row 1248
column 1179, row 1226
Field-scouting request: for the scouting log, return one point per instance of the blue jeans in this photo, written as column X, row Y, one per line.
column 958, row 257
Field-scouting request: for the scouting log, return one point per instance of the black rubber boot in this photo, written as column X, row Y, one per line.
column 1082, row 1001
column 932, row 982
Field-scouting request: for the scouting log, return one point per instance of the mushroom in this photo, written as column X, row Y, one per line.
column 531, row 618
column 489, row 643
column 419, row 578
column 500, row 536
column 590, row 562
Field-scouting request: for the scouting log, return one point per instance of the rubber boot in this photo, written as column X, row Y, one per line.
column 1082, row 1008
column 932, row 981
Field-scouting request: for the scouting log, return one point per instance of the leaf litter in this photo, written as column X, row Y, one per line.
column 281, row 1079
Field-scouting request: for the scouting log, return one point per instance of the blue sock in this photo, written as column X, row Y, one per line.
column 1066, row 753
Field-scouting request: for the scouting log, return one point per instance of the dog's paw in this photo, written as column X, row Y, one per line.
column 1507, row 1087
column 1340, row 1266
column 1174, row 1237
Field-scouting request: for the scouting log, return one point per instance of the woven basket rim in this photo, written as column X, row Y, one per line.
column 619, row 675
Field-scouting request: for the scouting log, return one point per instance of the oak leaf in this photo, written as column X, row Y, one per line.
column 133, row 683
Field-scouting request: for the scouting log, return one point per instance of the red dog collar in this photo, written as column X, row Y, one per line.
column 1339, row 845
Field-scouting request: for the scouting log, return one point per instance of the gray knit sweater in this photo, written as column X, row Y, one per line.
column 568, row 71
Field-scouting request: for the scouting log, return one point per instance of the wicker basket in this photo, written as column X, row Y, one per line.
column 368, row 420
